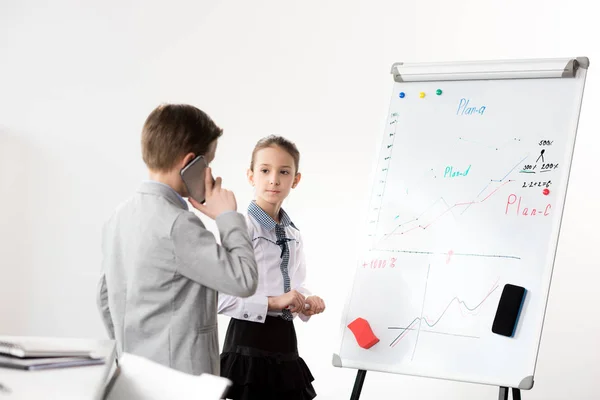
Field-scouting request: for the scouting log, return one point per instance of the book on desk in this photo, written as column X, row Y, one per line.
column 33, row 348
column 47, row 362
column 27, row 354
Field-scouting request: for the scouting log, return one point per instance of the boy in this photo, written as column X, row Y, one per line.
column 161, row 268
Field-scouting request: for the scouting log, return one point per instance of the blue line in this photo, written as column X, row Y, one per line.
column 422, row 308
column 459, row 302
column 444, row 312
column 483, row 190
column 484, row 255
column 495, row 180
column 453, row 254
column 404, row 330
column 513, row 168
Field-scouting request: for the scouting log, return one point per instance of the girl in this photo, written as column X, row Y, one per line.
column 260, row 353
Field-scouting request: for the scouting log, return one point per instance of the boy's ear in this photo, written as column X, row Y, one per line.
column 250, row 175
column 296, row 180
column 186, row 160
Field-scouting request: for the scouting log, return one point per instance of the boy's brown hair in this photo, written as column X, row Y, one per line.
column 282, row 142
column 173, row 130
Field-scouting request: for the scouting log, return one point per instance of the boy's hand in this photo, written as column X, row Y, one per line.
column 316, row 305
column 292, row 299
column 218, row 200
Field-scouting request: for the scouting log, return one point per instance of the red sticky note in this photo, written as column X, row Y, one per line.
column 363, row 333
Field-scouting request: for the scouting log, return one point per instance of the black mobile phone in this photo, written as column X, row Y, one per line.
column 193, row 178
column 509, row 310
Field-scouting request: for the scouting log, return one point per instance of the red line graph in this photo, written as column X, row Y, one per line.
column 423, row 227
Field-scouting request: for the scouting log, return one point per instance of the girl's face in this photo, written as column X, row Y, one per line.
column 274, row 174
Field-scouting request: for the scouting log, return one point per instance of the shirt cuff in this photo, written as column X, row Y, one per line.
column 304, row 291
column 304, row 317
column 255, row 309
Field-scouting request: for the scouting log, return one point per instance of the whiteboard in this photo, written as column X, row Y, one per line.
column 467, row 196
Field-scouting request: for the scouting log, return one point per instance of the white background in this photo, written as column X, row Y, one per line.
column 78, row 79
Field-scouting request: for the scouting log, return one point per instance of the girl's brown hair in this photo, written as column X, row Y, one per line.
column 282, row 142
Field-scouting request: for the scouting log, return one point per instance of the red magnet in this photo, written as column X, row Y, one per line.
column 546, row 192
column 363, row 333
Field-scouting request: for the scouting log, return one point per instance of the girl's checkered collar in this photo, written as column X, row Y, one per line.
column 265, row 219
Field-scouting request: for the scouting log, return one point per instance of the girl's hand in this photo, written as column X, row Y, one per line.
column 316, row 305
column 292, row 299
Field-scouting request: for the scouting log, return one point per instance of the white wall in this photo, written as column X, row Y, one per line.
column 77, row 81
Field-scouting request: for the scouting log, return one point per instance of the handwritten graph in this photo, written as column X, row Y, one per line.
column 416, row 222
column 438, row 217
column 421, row 322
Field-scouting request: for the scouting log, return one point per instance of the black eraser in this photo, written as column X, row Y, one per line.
column 509, row 310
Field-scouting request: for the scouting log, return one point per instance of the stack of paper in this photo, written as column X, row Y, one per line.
column 36, row 354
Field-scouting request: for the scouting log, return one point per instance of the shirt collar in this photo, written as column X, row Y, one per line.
column 170, row 192
column 265, row 219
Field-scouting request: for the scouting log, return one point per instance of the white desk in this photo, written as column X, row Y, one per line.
column 81, row 383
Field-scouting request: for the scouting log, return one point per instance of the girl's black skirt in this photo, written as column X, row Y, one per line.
column 263, row 363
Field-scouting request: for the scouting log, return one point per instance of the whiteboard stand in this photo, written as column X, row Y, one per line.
column 492, row 121
column 516, row 393
column 361, row 374
column 358, row 383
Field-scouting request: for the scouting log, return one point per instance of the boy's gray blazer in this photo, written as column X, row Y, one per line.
column 161, row 272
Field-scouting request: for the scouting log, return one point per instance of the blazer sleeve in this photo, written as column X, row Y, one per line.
column 230, row 267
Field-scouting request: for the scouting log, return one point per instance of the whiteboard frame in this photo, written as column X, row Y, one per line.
column 482, row 70
column 560, row 68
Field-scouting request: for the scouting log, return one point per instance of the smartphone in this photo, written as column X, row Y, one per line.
column 509, row 309
column 193, row 178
